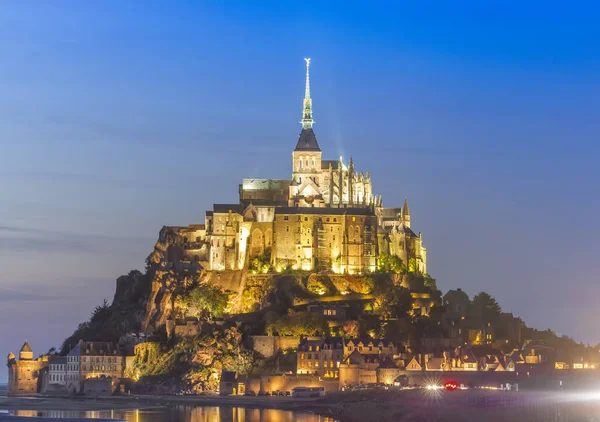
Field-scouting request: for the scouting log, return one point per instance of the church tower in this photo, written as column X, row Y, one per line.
column 307, row 154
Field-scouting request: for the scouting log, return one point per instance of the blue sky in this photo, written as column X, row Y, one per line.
column 117, row 118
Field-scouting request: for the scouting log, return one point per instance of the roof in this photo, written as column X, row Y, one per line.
column 26, row 347
column 391, row 213
column 225, row 208
column 408, row 231
column 324, row 210
column 58, row 360
column 307, row 141
column 366, row 340
column 326, row 163
column 265, row 184
column 405, row 210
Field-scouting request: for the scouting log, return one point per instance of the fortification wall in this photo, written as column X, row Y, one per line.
column 285, row 382
column 268, row 346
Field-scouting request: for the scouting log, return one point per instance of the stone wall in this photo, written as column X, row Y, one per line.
column 285, row 382
column 25, row 376
column 98, row 387
column 268, row 346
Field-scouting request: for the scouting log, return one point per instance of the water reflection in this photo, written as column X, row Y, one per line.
column 185, row 414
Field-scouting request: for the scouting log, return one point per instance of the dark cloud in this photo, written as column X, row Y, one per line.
column 14, row 238
column 9, row 295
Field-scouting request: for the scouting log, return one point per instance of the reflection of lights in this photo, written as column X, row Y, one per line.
column 434, row 387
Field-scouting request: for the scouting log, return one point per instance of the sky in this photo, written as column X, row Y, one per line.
column 117, row 118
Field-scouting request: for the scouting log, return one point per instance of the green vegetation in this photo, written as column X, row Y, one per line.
column 261, row 264
column 484, row 306
column 296, row 324
column 204, row 299
column 387, row 263
column 109, row 322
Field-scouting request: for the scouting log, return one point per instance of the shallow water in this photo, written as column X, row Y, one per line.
column 185, row 414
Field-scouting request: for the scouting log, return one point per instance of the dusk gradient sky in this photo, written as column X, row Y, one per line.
column 119, row 117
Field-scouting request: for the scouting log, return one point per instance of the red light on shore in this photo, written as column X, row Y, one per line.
column 451, row 386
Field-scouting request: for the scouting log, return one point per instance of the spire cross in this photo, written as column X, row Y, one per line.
column 307, row 120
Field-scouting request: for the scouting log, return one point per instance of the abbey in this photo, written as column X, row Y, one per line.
column 324, row 218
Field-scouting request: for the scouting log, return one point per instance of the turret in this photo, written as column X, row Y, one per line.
column 26, row 353
column 406, row 214
column 10, row 358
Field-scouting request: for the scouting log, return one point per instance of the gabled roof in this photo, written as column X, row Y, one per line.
column 307, row 141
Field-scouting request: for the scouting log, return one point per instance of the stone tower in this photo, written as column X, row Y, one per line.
column 25, row 374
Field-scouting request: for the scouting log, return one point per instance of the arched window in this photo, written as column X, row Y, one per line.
column 300, row 162
column 306, row 162
column 313, row 162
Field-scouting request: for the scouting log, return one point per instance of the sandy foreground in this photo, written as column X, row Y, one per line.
column 380, row 406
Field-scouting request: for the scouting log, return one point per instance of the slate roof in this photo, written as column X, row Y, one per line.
column 26, row 347
column 408, row 231
column 224, row 208
column 307, row 141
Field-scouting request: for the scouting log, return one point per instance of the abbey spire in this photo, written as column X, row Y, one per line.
column 307, row 140
column 307, row 120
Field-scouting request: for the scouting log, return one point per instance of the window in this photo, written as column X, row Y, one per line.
column 317, row 348
column 313, row 163
column 306, row 162
column 286, row 218
column 305, row 218
column 353, row 218
column 300, row 162
column 287, row 228
column 309, row 364
column 316, row 364
column 335, row 220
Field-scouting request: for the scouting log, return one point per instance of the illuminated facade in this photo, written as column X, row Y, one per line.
column 324, row 218
column 25, row 374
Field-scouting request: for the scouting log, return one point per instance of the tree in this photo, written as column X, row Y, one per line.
column 485, row 306
column 297, row 324
column 387, row 263
column 204, row 298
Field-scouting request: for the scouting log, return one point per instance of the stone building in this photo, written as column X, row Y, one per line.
column 93, row 360
column 320, row 357
column 324, row 218
column 57, row 371
column 25, row 375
